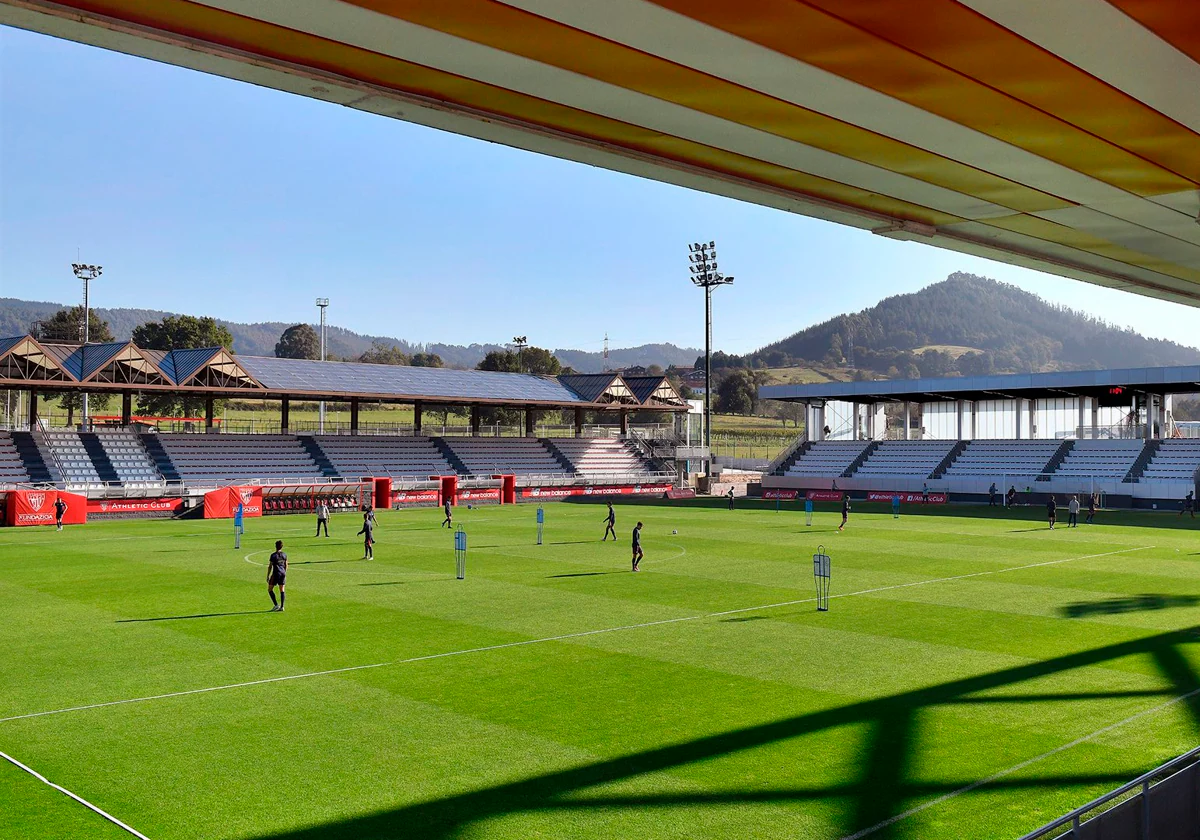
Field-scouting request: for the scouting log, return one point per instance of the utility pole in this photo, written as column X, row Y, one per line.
column 703, row 258
column 322, row 304
column 86, row 273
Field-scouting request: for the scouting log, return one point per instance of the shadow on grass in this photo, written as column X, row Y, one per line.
column 582, row 574
column 1128, row 604
column 874, row 805
column 741, row 620
column 186, row 617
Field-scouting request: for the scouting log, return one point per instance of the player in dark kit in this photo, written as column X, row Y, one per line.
column 1189, row 504
column 368, row 535
column 610, row 526
column 992, row 495
column 449, row 520
column 1091, row 508
column 845, row 511
column 277, row 575
column 730, row 498
column 1052, row 511
column 637, row 546
column 60, row 510
column 1010, row 498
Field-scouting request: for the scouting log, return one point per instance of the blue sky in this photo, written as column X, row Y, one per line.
column 209, row 196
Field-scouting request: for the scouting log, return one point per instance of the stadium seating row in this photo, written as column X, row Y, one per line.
column 12, row 467
column 1173, row 460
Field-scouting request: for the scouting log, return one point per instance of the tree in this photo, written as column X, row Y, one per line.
column 66, row 325
column 379, row 354
column 182, row 332
column 432, row 360
column 737, row 393
column 534, row 360
column 299, row 342
column 503, row 361
column 178, row 332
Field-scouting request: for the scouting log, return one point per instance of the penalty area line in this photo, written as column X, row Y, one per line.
column 74, row 796
column 662, row 622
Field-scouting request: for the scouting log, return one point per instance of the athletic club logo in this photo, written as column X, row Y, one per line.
column 36, row 500
column 246, row 495
column 103, row 507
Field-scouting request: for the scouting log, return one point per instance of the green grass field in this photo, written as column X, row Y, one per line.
column 976, row 676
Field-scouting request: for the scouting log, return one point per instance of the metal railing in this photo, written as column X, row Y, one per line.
column 778, row 460
column 1139, row 788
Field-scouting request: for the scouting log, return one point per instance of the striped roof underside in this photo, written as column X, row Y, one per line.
column 589, row 386
column 643, row 387
column 1063, row 136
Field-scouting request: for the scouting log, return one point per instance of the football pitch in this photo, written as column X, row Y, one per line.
column 975, row 676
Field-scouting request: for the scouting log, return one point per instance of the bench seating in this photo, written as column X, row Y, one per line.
column 915, row 459
column 598, row 456
column 373, row 455
column 496, row 456
column 827, row 458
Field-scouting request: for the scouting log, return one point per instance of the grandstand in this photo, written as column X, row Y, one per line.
column 495, row 456
column 70, row 458
column 12, row 466
column 211, row 460
column 400, row 457
column 995, row 459
column 827, row 459
column 904, row 458
column 1106, row 459
column 600, row 456
column 1174, row 460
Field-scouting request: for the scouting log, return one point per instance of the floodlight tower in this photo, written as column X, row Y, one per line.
column 86, row 273
column 703, row 258
column 520, row 341
column 322, row 304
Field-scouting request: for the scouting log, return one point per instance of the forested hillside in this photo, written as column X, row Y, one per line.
column 971, row 325
column 18, row 316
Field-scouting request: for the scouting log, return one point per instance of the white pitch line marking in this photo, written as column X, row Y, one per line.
column 74, row 796
column 1017, row 767
column 563, row 637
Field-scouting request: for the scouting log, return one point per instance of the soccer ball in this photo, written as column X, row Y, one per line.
column 470, row 506
column 674, row 532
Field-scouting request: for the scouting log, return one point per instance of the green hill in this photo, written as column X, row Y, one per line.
column 970, row 325
column 17, row 316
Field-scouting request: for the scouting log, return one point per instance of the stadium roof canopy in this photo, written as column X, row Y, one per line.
column 26, row 362
column 1114, row 384
column 1063, row 135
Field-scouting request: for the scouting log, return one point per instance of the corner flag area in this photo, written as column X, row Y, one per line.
column 976, row 675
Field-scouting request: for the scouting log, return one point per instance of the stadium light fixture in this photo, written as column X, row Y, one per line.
column 703, row 256
column 322, row 304
column 520, row 341
column 86, row 273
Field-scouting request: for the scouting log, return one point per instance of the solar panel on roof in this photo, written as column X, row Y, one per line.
column 356, row 378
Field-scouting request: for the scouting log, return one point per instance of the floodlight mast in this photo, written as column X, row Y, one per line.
column 703, row 258
column 520, row 341
column 86, row 273
column 322, row 304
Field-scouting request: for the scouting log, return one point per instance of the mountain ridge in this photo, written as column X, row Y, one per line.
column 258, row 339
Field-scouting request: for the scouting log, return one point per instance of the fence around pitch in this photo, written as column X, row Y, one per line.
column 1137, row 798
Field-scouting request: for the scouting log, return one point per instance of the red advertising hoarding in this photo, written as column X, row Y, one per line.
column 782, row 495
column 417, row 497
column 824, row 495
column 222, row 503
column 36, row 507
column 479, row 494
column 134, row 505
column 907, row 498
column 590, row 490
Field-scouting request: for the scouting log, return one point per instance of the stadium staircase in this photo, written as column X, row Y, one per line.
column 451, row 456
column 562, row 459
column 32, row 457
column 860, row 460
column 1143, row 460
column 100, row 460
column 950, row 458
column 162, row 461
column 318, row 455
column 790, row 456
column 1056, row 459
